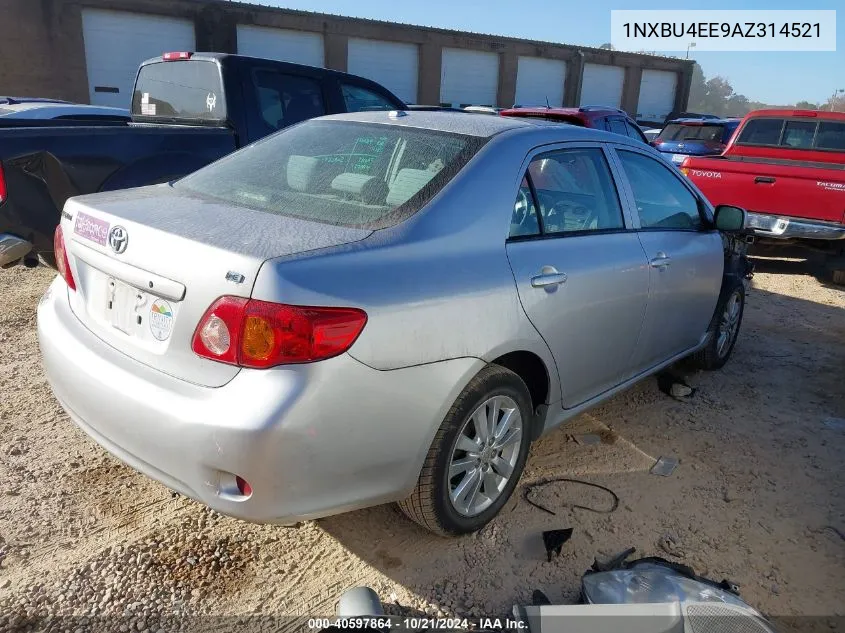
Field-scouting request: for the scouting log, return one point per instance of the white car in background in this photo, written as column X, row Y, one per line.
column 652, row 134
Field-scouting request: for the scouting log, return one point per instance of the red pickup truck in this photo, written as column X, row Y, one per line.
column 787, row 168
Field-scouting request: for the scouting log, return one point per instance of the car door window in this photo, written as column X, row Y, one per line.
column 524, row 221
column 574, row 194
column 617, row 126
column 287, row 99
column 360, row 99
column 663, row 202
column 635, row 133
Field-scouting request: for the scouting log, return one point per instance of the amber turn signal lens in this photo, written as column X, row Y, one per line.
column 258, row 339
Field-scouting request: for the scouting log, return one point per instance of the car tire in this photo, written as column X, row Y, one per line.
column 726, row 318
column 835, row 265
column 437, row 503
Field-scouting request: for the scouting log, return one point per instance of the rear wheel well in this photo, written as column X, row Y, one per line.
column 533, row 372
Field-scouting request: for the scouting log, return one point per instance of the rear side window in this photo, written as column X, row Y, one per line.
column 617, row 126
column 761, row 132
column 360, row 99
column 831, row 135
column 180, row 90
column 728, row 132
column 575, row 194
column 287, row 99
column 634, row 132
column 338, row 172
column 680, row 132
column 799, row 134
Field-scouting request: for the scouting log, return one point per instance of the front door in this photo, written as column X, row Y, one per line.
column 685, row 256
column 582, row 277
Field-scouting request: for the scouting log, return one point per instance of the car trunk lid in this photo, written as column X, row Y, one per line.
column 149, row 262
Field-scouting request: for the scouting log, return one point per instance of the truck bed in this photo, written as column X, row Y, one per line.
column 43, row 166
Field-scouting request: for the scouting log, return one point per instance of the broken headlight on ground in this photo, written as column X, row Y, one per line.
column 648, row 582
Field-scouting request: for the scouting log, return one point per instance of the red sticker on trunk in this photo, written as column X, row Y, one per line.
column 91, row 228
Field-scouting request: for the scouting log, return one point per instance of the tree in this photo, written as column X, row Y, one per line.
column 607, row 46
column 806, row 105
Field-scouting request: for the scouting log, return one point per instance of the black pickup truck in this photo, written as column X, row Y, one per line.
column 188, row 110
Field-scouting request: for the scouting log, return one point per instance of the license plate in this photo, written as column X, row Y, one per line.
column 127, row 308
column 678, row 158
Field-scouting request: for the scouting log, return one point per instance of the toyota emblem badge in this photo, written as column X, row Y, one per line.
column 118, row 239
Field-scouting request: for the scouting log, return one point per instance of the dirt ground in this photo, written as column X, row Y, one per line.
column 758, row 496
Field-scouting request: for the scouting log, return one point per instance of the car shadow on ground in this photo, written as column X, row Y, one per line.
column 793, row 261
column 740, row 466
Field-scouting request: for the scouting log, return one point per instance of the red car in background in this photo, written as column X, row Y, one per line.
column 598, row 117
column 787, row 168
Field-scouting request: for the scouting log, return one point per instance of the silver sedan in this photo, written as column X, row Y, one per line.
column 380, row 307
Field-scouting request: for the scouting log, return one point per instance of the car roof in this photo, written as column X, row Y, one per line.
column 484, row 126
column 551, row 113
column 704, row 121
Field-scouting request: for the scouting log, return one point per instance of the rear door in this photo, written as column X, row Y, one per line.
column 581, row 274
column 684, row 252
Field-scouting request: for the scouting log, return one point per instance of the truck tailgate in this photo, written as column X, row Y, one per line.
column 798, row 189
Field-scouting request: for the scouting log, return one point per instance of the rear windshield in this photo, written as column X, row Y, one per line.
column 681, row 132
column 189, row 90
column 338, row 172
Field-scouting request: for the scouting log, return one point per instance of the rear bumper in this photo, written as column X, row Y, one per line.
column 312, row 440
column 786, row 228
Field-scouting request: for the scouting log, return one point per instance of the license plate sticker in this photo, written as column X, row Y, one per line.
column 161, row 319
column 678, row 158
column 91, row 228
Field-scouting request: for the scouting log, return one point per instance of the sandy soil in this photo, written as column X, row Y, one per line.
column 757, row 497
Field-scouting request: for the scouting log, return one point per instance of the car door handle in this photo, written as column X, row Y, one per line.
column 549, row 276
column 760, row 180
column 661, row 261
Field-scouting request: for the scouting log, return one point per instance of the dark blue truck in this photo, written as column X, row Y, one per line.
column 188, row 110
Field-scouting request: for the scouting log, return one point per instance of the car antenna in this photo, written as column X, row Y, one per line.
column 548, row 107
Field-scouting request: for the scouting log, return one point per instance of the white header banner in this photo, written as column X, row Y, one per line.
column 723, row 30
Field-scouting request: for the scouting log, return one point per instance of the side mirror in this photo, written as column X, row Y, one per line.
column 730, row 219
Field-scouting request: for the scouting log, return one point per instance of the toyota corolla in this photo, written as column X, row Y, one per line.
column 381, row 307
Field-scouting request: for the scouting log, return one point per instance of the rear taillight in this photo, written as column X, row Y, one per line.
column 2, row 185
column 173, row 57
column 253, row 333
column 62, row 262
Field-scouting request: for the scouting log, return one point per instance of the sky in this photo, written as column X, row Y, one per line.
column 780, row 78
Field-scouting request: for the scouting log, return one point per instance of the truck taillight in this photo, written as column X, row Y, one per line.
column 174, row 57
column 260, row 334
column 62, row 262
column 2, row 185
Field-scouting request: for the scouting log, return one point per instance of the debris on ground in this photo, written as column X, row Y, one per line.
column 664, row 466
column 554, row 541
column 587, row 439
column 670, row 382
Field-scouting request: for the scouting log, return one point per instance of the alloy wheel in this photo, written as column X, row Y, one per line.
column 485, row 455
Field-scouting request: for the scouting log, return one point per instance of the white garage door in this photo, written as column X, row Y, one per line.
column 288, row 46
column 117, row 42
column 394, row 65
column 468, row 78
column 657, row 95
column 540, row 81
column 602, row 85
